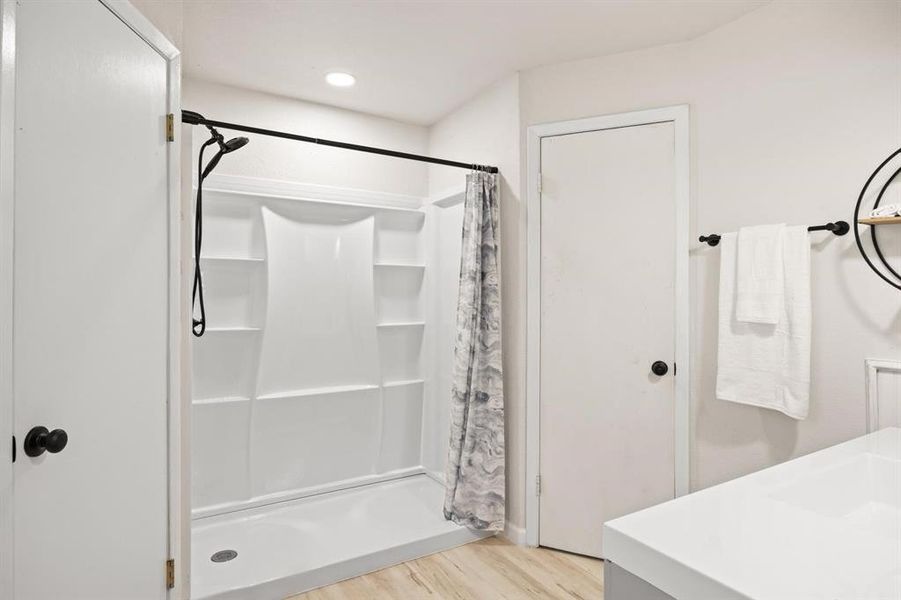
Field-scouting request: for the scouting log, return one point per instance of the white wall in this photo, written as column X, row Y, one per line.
column 486, row 131
column 792, row 106
column 273, row 158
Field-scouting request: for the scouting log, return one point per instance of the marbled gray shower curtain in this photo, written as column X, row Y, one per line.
column 475, row 462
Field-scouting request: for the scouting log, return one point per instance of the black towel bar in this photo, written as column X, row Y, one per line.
column 838, row 228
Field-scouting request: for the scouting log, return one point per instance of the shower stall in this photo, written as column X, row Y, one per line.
column 321, row 386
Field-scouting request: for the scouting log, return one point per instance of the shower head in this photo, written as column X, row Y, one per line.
column 224, row 148
column 194, row 118
column 233, row 144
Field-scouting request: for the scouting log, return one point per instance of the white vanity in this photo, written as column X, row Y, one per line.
column 823, row 526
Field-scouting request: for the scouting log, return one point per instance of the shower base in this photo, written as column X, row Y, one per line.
column 295, row 546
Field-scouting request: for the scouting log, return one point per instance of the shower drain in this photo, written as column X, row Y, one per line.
column 223, row 556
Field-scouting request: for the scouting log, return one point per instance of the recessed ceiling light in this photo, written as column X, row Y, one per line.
column 338, row 79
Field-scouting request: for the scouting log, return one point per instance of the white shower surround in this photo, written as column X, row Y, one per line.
column 284, row 377
column 325, row 368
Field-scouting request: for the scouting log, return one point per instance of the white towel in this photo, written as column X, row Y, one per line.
column 887, row 210
column 760, row 291
column 767, row 365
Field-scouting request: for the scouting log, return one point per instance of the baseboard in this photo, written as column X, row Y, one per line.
column 514, row 534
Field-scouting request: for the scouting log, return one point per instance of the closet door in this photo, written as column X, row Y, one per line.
column 91, row 303
column 607, row 315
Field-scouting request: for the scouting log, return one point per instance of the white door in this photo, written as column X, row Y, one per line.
column 607, row 314
column 90, row 306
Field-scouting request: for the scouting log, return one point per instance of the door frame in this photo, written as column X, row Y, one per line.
column 679, row 116
column 176, row 459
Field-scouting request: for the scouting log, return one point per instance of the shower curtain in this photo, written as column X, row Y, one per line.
column 475, row 475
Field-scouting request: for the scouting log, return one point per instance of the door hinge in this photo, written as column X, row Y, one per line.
column 170, row 127
column 14, row 448
column 675, row 369
column 170, row 573
column 538, row 485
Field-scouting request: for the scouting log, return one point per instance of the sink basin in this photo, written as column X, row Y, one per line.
column 864, row 492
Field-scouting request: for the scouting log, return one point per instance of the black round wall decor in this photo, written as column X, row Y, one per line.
column 893, row 278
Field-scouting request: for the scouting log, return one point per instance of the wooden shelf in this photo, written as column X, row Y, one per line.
column 880, row 221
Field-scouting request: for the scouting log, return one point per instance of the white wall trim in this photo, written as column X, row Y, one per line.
column 295, row 190
column 679, row 116
column 873, row 367
column 7, row 204
column 178, row 459
column 142, row 26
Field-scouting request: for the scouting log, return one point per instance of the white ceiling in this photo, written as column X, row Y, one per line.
column 416, row 61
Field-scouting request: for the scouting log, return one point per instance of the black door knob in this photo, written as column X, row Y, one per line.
column 40, row 439
column 659, row 368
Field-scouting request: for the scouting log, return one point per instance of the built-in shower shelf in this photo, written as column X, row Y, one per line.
column 232, row 259
column 402, row 383
column 218, row 193
column 320, row 391
column 389, row 265
column 402, row 324
column 223, row 400
column 233, row 329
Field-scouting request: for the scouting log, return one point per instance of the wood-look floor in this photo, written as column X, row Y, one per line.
column 486, row 570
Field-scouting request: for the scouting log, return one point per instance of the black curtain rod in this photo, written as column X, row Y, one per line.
column 838, row 228
column 192, row 118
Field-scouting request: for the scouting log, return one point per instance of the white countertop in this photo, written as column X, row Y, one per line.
column 826, row 526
